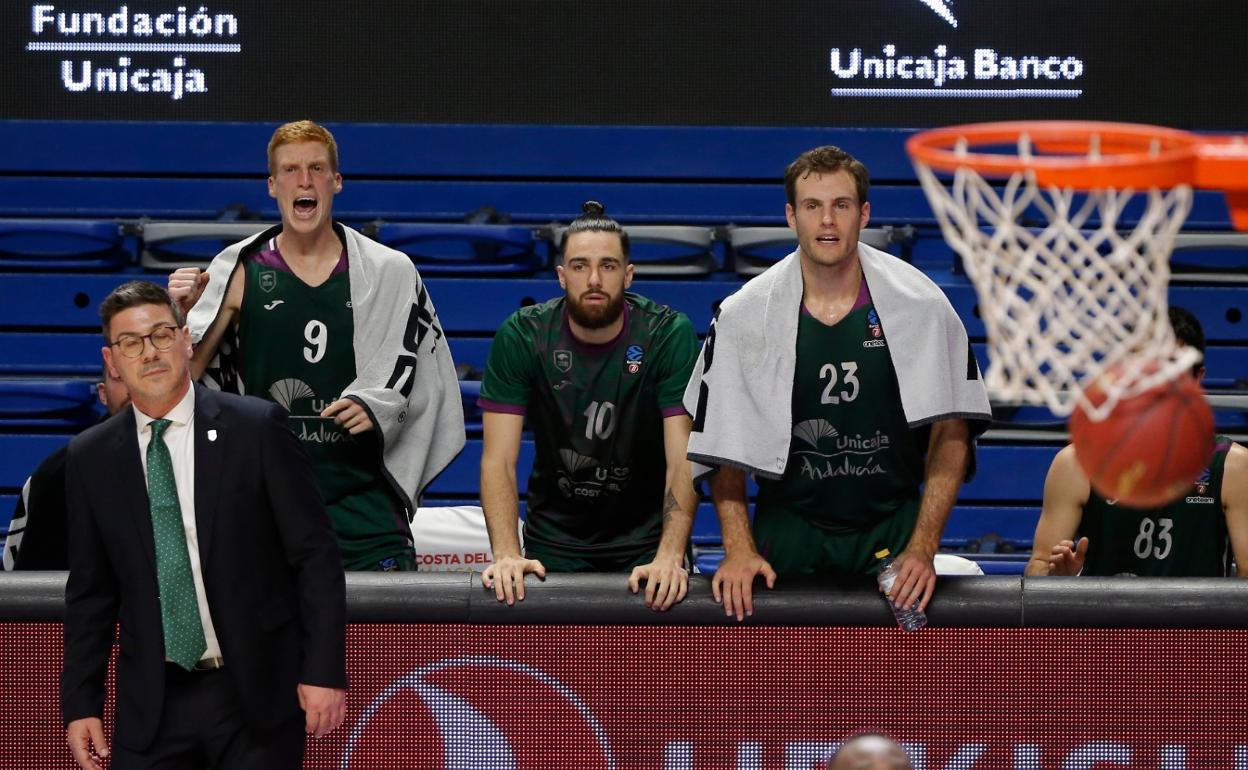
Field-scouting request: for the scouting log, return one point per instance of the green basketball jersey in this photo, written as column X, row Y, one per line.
column 853, row 460
column 596, row 412
column 1186, row 538
column 296, row 347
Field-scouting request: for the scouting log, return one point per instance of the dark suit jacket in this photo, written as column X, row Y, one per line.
column 270, row 561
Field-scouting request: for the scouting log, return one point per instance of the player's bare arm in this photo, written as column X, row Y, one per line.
column 1066, row 491
column 666, row 579
column 948, row 450
column 733, row 584
column 500, row 500
column 1235, row 504
column 226, row 316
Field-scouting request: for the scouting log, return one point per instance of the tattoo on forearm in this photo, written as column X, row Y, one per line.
column 670, row 506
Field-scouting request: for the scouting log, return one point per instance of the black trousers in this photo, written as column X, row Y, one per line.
column 202, row 727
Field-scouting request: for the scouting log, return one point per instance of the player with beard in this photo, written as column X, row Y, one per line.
column 599, row 373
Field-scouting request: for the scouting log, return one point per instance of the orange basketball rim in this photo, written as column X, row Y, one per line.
column 1090, row 155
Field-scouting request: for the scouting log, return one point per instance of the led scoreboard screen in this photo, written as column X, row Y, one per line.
column 880, row 63
column 427, row 697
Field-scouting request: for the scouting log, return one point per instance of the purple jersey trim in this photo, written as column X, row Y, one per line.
column 590, row 347
column 673, row 411
column 271, row 257
column 864, row 299
column 495, row 406
column 864, row 296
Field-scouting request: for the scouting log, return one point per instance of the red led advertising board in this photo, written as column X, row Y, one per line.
column 695, row 698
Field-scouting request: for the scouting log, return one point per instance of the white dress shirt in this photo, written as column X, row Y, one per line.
column 180, row 438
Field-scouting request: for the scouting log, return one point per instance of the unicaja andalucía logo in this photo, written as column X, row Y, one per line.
column 475, row 712
column 943, row 10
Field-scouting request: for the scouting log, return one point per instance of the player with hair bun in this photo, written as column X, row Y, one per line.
column 599, row 374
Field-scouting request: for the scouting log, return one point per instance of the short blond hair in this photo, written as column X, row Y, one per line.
column 303, row 131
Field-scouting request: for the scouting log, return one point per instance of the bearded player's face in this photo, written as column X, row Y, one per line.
column 595, row 275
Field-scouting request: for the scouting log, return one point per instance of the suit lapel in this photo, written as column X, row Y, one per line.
column 210, row 440
column 132, row 488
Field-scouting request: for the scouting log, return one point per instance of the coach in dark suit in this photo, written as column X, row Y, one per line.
column 195, row 521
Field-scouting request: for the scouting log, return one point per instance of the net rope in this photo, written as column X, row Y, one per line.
column 1067, row 299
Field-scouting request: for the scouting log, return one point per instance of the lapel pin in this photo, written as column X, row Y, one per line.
column 212, row 435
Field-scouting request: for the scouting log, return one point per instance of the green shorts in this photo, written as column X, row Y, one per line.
column 404, row 561
column 564, row 562
column 794, row 545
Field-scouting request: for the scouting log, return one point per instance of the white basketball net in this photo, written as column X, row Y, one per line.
column 1063, row 294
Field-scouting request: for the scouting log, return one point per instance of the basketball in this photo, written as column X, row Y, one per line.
column 1150, row 448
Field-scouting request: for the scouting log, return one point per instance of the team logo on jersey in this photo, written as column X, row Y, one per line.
column 874, row 330
column 811, row 431
column 632, row 358
column 286, row 392
column 574, row 461
column 563, row 360
column 268, row 281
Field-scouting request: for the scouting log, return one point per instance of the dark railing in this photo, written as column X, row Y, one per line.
column 600, row 599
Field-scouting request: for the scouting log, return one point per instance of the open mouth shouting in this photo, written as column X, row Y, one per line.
column 305, row 206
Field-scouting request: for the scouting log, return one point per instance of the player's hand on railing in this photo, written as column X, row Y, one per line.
column 667, row 582
column 186, row 286
column 916, row 579
column 348, row 413
column 733, row 584
column 85, row 736
column 1067, row 557
column 506, row 577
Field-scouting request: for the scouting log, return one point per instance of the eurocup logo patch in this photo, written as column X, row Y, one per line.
column 475, row 712
column 632, row 358
column 1202, row 483
column 268, row 281
column 874, row 331
column 563, row 360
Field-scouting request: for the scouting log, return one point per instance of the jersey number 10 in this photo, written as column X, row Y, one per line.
column 599, row 419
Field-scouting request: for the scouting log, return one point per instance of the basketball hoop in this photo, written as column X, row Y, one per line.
column 1067, row 290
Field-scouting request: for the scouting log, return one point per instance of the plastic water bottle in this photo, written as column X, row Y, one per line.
column 907, row 619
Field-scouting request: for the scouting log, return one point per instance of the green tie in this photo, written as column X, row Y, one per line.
column 179, row 609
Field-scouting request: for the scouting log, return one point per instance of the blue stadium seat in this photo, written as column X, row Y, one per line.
column 21, row 453
column 665, row 251
column 754, row 249
column 671, row 250
column 62, row 244
column 168, row 246
column 47, row 404
column 7, row 504
column 466, row 249
column 1221, row 257
column 56, row 353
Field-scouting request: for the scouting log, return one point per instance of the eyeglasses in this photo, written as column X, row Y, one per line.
column 131, row 345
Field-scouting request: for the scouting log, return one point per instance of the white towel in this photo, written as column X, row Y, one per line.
column 403, row 368
column 741, row 390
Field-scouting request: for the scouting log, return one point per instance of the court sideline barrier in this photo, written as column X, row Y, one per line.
column 604, row 599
